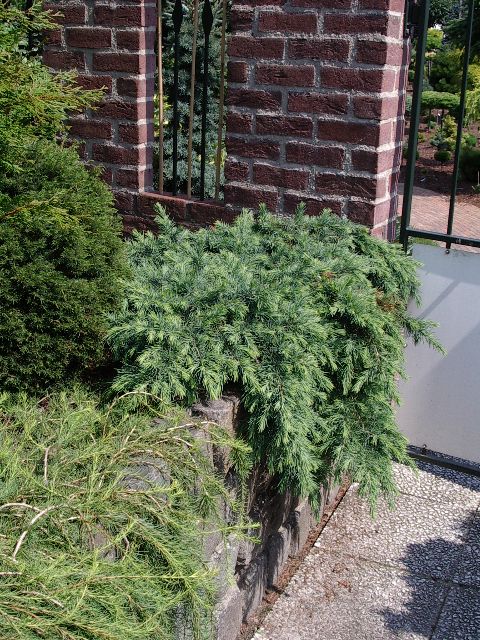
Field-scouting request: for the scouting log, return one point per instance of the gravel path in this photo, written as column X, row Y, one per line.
column 412, row 573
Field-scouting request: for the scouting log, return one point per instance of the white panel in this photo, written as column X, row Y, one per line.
column 441, row 399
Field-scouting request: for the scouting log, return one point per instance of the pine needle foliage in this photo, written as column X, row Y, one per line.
column 71, row 476
column 306, row 314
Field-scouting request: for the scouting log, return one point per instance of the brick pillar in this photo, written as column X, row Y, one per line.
column 315, row 107
column 111, row 44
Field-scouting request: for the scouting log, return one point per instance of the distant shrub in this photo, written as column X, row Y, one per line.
column 438, row 100
column 470, row 163
column 446, row 70
column 469, row 141
column 443, row 155
column 434, row 39
column 61, row 259
column 449, row 126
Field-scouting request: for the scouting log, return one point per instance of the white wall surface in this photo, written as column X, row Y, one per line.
column 441, row 399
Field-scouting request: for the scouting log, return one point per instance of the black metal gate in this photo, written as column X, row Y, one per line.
column 417, row 21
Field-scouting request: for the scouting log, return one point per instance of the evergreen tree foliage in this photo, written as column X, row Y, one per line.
column 112, row 550
column 61, row 260
column 307, row 315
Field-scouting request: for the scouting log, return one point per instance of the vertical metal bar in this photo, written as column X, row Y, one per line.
column 207, row 22
column 218, row 160
column 192, row 98
column 461, row 117
column 414, row 124
column 160, row 97
column 177, row 24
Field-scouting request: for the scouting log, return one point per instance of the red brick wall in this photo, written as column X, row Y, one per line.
column 111, row 45
column 315, row 107
column 314, row 104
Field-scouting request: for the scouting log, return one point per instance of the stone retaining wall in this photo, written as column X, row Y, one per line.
column 247, row 569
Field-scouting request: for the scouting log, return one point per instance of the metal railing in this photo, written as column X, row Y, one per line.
column 406, row 231
column 183, row 156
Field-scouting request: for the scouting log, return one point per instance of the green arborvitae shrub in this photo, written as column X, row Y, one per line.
column 61, row 260
column 470, row 163
column 307, row 314
column 443, row 155
column 434, row 39
column 446, row 71
column 437, row 100
column 112, row 550
column 61, row 254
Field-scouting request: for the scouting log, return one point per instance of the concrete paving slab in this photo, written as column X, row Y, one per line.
column 411, row 574
column 426, row 535
column 460, row 618
column 438, row 484
column 468, row 572
column 337, row 598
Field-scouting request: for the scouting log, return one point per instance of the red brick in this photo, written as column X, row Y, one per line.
column 95, row 82
column 125, row 16
column 251, row 197
column 398, row 6
column 376, row 108
column 241, row 19
column 257, row 148
column 208, row 212
column 319, row 49
column 135, row 39
column 236, row 171
column 322, row 4
column 237, row 72
column 249, row 47
column 309, row 102
column 64, row 60
column 356, row 133
column 369, row 213
column 127, row 62
column 296, row 179
column 285, row 75
column 176, row 206
column 53, row 37
column 90, row 129
column 280, row 21
column 376, row 161
column 254, row 98
column 372, row 80
column 124, row 201
column 295, row 126
column 88, row 37
column 136, row 133
column 341, row 185
column 314, row 206
column 70, row 14
column 315, row 154
column 115, row 155
column 239, row 122
column 138, row 179
column 119, row 110
column 259, row 3
column 351, row 23
column 381, row 53
column 132, row 87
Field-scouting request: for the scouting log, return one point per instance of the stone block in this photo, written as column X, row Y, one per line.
column 252, row 584
column 228, row 615
column 302, row 521
column 278, row 549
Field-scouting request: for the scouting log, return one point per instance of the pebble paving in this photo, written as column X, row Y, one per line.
column 409, row 574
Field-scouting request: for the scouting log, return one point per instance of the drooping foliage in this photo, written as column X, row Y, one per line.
column 307, row 315
column 102, row 511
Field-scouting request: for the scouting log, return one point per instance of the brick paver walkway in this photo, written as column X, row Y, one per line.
column 413, row 573
column 430, row 212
